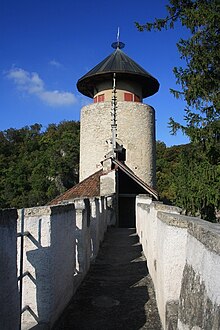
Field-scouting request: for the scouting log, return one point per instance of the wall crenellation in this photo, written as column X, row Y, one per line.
column 60, row 244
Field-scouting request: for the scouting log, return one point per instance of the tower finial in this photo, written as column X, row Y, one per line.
column 118, row 35
column 118, row 44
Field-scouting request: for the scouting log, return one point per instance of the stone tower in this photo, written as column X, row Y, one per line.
column 135, row 120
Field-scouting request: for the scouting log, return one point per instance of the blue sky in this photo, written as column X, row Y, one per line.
column 47, row 45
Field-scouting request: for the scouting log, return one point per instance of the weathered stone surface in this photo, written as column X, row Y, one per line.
column 135, row 130
column 172, row 219
column 166, row 208
column 206, row 232
column 196, row 310
column 37, row 211
column 145, row 207
column 172, row 314
column 118, row 292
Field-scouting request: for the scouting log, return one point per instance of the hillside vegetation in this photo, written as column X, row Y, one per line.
column 36, row 166
column 187, row 178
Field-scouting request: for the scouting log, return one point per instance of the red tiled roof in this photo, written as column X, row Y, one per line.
column 90, row 187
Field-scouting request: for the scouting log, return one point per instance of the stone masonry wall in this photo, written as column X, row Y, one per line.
column 183, row 255
column 136, row 131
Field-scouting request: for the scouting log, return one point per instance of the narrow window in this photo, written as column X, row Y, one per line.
column 136, row 98
column 101, row 98
column 128, row 97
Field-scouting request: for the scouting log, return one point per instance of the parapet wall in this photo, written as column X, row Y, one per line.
column 59, row 244
column 183, row 255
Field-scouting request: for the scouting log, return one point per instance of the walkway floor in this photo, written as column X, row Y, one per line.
column 117, row 293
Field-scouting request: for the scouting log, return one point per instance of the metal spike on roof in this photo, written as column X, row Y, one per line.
column 118, row 44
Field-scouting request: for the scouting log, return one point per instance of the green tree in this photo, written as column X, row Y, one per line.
column 199, row 80
column 168, row 159
column 196, row 183
column 36, row 166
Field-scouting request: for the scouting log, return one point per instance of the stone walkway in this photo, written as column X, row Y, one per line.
column 117, row 293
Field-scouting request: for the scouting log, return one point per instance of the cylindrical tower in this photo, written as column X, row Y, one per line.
column 135, row 120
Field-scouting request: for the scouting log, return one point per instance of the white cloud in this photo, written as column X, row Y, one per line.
column 32, row 84
column 56, row 98
column 29, row 82
column 55, row 63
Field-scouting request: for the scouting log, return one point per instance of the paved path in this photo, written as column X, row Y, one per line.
column 117, row 293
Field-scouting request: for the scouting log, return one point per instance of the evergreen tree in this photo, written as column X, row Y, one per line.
column 198, row 171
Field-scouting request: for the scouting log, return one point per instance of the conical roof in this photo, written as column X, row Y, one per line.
column 124, row 67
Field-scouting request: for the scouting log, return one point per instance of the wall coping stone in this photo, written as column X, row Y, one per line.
column 159, row 206
column 206, row 232
column 47, row 210
column 166, row 208
column 36, row 211
column 173, row 219
column 144, row 206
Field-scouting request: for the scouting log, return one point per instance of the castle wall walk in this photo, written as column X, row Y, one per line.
column 60, row 242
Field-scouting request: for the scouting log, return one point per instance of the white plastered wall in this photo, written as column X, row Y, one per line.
column 61, row 243
column 182, row 253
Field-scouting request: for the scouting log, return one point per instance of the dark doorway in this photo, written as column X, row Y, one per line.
column 126, row 212
column 128, row 188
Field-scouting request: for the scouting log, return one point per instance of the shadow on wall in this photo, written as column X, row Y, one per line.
column 101, row 215
column 82, row 239
column 62, row 242
column 9, row 295
column 53, row 260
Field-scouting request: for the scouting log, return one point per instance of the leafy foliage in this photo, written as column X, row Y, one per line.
column 200, row 86
column 36, row 166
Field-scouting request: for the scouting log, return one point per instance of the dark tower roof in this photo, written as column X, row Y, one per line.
column 124, row 67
